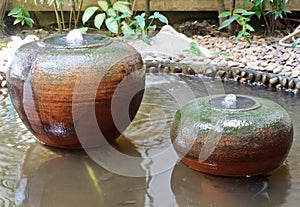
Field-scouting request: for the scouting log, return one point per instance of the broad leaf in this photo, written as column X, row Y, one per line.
column 16, row 10
column 99, row 19
column 103, row 5
column 26, row 12
column 285, row 10
column 123, row 7
column 153, row 27
column 83, row 30
column 240, row 34
column 111, row 12
column 195, row 48
column 29, row 21
column 140, row 21
column 112, row 25
column 228, row 22
column 123, row 16
column 224, row 14
column 239, row 11
column 126, row 29
column 249, row 27
column 258, row 12
column 161, row 17
column 17, row 20
column 247, row 38
column 88, row 13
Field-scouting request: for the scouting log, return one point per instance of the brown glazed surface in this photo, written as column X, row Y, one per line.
column 56, row 90
column 255, row 143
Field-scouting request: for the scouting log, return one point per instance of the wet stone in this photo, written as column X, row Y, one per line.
column 190, row 71
column 177, row 69
column 258, row 77
column 221, row 73
column 166, row 70
column 274, row 81
column 278, row 86
column 251, row 77
column 153, row 70
column 291, row 84
column 298, row 85
column 243, row 74
column 285, row 82
column 228, row 74
column 265, row 79
column 4, row 84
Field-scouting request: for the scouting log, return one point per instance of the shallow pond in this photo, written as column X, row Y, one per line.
column 32, row 174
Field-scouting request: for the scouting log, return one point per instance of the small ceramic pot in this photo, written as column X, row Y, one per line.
column 252, row 138
column 59, row 88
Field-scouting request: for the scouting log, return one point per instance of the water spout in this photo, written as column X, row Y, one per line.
column 74, row 37
column 230, row 101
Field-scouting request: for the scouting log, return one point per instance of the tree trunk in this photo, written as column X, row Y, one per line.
column 147, row 11
column 221, row 8
column 233, row 25
column 3, row 6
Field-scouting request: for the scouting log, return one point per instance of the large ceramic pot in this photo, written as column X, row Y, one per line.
column 251, row 138
column 61, row 89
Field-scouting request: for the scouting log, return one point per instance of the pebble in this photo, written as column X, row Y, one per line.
column 274, row 80
column 298, row 85
column 232, row 64
column 264, row 54
column 277, row 70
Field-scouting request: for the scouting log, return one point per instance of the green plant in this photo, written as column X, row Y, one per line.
column 295, row 42
column 111, row 14
column 195, row 50
column 140, row 25
column 269, row 10
column 242, row 17
column 21, row 16
column 276, row 10
column 119, row 20
column 59, row 14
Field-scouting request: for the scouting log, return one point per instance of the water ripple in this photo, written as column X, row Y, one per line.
column 14, row 142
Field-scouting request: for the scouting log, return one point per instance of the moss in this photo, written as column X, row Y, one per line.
column 200, row 113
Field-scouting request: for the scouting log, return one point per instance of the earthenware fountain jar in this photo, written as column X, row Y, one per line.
column 63, row 84
column 233, row 135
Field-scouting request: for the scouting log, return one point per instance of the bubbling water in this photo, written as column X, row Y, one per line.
column 230, row 101
column 74, row 37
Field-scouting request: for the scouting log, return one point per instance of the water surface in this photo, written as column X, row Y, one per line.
column 32, row 174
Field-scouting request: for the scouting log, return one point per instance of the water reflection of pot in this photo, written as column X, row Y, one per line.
column 53, row 177
column 50, row 81
column 192, row 188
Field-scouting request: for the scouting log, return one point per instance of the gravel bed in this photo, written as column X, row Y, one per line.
column 264, row 56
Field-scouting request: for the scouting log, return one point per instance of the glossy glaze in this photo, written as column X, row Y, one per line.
column 56, row 89
column 226, row 142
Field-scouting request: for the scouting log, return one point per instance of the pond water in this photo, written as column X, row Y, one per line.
column 32, row 174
